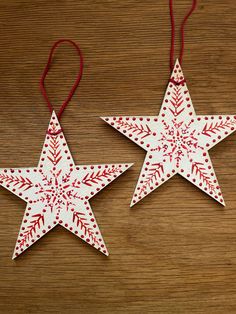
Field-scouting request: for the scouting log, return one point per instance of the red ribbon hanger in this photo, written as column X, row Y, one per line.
column 46, row 70
column 172, row 48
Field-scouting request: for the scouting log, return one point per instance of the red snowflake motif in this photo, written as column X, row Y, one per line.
column 178, row 140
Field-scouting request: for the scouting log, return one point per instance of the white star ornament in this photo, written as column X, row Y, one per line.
column 176, row 141
column 57, row 192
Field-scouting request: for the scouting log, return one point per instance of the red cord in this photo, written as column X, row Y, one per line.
column 172, row 48
column 45, row 72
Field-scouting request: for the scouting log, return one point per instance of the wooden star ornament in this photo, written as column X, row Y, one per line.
column 57, row 192
column 176, row 141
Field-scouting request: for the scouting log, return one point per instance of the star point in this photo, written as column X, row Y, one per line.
column 176, row 141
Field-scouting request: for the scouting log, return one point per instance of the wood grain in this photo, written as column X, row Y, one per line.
column 174, row 252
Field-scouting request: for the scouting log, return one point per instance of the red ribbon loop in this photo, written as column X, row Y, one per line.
column 172, row 48
column 46, row 70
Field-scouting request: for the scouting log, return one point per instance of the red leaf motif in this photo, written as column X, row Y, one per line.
column 80, row 222
column 22, row 183
column 54, row 152
column 95, row 177
column 208, row 130
column 199, row 169
column 176, row 101
column 155, row 173
column 32, row 228
column 140, row 130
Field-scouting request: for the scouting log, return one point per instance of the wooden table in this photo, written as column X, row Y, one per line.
column 174, row 252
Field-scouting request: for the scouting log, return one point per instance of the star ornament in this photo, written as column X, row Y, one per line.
column 176, row 141
column 57, row 192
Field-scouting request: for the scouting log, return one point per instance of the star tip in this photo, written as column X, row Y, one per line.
column 14, row 256
column 177, row 62
column 132, row 204
column 106, row 253
column 129, row 165
column 222, row 202
column 54, row 115
column 106, row 119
